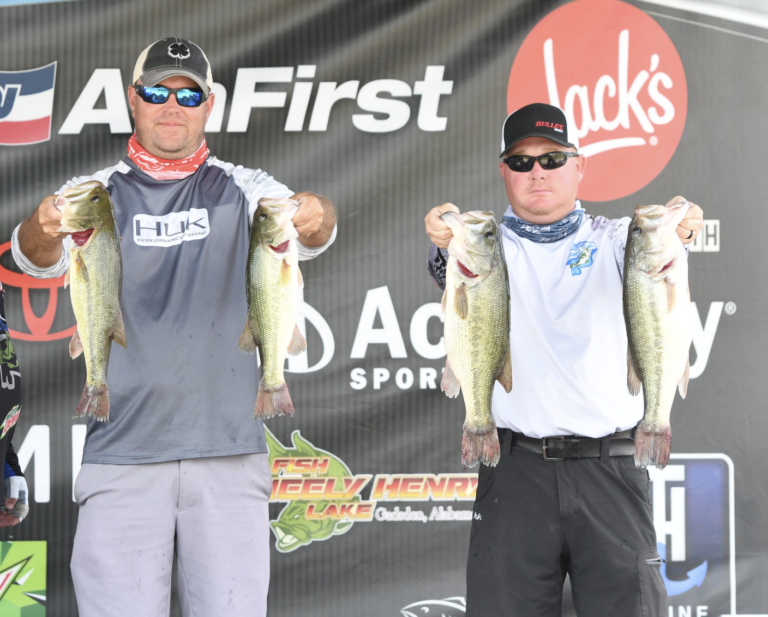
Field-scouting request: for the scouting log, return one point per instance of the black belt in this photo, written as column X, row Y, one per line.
column 570, row 446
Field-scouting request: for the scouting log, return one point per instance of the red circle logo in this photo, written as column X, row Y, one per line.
column 619, row 79
column 39, row 327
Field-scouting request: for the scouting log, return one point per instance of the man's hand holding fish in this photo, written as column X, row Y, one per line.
column 593, row 309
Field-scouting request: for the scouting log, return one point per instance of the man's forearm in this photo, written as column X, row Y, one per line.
column 322, row 235
column 36, row 245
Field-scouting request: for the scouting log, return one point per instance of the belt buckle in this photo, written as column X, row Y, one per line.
column 544, row 448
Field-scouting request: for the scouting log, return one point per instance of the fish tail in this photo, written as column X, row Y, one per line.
column 480, row 445
column 94, row 402
column 273, row 402
column 652, row 445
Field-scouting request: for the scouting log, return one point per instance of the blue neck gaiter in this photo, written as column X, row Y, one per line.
column 545, row 233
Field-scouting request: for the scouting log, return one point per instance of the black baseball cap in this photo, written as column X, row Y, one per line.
column 535, row 120
column 173, row 56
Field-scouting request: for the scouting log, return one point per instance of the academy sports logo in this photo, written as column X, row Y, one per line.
column 23, row 578
column 618, row 78
column 26, row 105
column 580, row 256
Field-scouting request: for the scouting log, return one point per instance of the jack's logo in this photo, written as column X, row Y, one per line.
column 694, row 520
column 23, row 578
column 26, row 105
column 618, row 78
column 324, row 499
column 39, row 327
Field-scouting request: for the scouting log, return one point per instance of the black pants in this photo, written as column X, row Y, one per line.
column 534, row 521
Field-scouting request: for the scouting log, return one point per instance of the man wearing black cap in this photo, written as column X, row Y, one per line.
column 181, row 465
column 551, row 508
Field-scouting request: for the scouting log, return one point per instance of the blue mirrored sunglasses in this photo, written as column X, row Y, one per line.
column 157, row 95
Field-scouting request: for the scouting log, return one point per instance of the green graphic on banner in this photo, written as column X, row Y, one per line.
column 23, row 567
column 322, row 494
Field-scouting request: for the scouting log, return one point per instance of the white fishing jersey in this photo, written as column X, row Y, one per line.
column 567, row 334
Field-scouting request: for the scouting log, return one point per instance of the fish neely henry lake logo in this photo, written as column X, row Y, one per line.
column 619, row 79
column 26, row 105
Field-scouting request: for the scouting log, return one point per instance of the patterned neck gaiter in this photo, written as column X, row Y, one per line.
column 163, row 169
column 545, row 233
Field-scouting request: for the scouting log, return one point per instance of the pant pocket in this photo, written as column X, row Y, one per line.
column 653, row 593
column 485, row 477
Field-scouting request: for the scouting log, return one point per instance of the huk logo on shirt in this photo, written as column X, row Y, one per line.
column 26, row 105
column 171, row 229
column 580, row 256
column 618, row 78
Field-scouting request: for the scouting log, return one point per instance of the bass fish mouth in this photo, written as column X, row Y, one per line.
column 466, row 271
column 81, row 237
column 281, row 248
column 667, row 266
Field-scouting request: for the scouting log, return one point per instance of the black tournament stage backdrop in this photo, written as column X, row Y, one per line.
column 391, row 107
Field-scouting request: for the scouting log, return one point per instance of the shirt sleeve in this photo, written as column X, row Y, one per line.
column 438, row 259
column 27, row 267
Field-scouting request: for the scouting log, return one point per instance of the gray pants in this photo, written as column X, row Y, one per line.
column 212, row 511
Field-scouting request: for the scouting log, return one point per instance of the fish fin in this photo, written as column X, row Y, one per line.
column 444, row 301
column 75, row 345
column 652, row 445
column 248, row 340
column 505, row 374
column 273, row 401
column 460, row 301
column 66, row 280
column 94, row 402
column 298, row 343
column 682, row 385
column 118, row 330
column 285, row 273
column 82, row 271
column 633, row 379
column 449, row 384
column 480, row 445
column 299, row 277
column 671, row 294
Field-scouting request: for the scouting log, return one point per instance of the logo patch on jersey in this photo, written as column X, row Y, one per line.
column 171, row 229
column 581, row 256
column 11, row 419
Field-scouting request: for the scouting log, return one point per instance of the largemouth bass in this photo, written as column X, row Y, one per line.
column 476, row 308
column 272, row 285
column 657, row 311
column 95, row 276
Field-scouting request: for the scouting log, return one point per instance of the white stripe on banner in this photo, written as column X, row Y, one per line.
column 718, row 9
column 31, row 107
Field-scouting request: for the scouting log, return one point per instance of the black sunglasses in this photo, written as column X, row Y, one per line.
column 550, row 160
column 157, row 95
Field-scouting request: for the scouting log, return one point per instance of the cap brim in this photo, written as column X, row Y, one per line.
column 155, row 76
column 548, row 136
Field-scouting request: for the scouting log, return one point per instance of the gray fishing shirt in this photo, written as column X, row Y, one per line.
column 182, row 389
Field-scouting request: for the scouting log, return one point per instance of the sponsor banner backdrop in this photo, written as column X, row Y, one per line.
column 391, row 108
